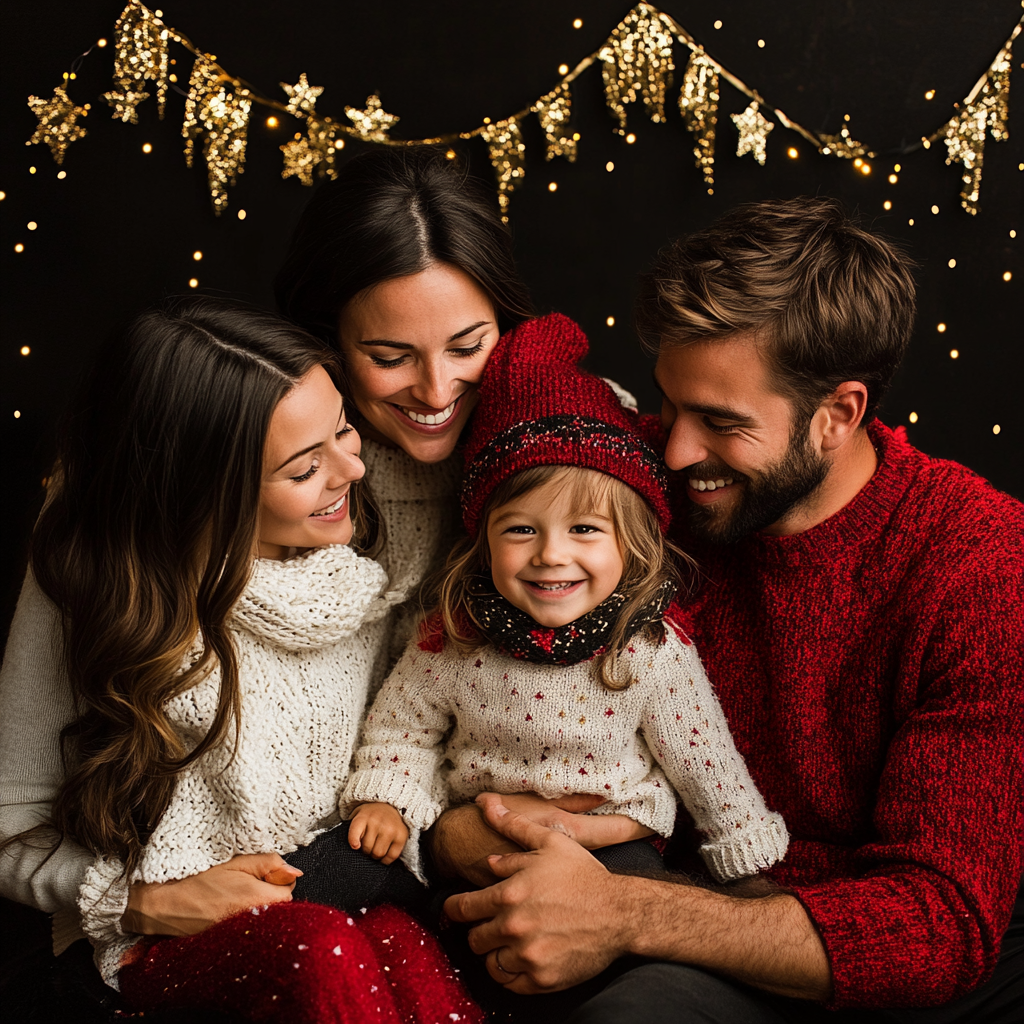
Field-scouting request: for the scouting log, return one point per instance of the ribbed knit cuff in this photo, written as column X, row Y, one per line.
column 102, row 900
column 752, row 852
column 412, row 858
column 376, row 786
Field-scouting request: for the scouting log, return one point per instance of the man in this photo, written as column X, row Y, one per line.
column 860, row 615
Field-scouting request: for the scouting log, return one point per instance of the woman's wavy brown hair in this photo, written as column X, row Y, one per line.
column 649, row 559
column 148, row 541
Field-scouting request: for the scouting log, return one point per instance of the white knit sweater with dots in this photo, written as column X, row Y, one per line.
column 494, row 723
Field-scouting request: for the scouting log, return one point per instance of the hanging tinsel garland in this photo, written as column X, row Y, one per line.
column 637, row 64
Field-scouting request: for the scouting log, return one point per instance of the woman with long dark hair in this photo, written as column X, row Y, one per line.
column 200, row 576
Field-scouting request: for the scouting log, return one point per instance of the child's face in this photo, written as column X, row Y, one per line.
column 550, row 562
column 310, row 462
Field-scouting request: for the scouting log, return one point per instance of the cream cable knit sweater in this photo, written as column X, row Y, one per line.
column 494, row 723
column 418, row 506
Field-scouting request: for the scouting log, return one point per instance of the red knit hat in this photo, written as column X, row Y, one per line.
column 537, row 408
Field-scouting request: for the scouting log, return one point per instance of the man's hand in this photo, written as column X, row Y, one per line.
column 192, row 904
column 379, row 831
column 558, row 917
column 553, row 921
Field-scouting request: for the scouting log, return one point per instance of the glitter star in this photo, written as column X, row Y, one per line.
column 57, row 117
column 301, row 96
column 372, row 123
column 124, row 104
column 753, row 127
column 300, row 159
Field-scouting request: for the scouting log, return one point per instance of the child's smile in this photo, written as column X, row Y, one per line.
column 550, row 558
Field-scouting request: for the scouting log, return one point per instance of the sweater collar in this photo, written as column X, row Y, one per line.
column 313, row 600
column 860, row 520
column 395, row 476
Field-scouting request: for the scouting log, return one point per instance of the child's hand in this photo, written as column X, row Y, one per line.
column 378, row 830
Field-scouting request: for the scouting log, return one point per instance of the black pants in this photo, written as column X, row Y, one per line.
column 666, row 993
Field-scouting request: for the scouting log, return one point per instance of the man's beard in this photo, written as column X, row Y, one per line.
column 777, row 490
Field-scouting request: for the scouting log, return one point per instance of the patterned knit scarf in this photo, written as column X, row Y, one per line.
column 516, row 634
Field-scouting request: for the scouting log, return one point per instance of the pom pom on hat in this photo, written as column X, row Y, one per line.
column 538, row 408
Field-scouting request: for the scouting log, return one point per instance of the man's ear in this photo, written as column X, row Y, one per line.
column 840, row 414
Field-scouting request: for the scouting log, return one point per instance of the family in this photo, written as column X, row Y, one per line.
column 376, row 662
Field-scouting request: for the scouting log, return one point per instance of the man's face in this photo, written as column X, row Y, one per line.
column 748, row 464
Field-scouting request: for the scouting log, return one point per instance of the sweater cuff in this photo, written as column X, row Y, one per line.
column 412, row 858
column 749, row 853
column 373, row 786
column 102, row 901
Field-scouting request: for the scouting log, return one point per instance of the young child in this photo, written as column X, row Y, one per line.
column 554, row 663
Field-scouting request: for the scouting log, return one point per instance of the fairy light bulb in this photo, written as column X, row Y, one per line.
column 912, row 417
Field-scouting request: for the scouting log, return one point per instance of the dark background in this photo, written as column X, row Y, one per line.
column 119, row 231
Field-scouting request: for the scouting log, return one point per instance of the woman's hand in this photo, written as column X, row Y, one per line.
column 378, row 830
column 192, row 904
column 566, row 815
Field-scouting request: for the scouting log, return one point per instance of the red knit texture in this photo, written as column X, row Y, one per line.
column 302, row 963
column 872, row 671
column 532, row 375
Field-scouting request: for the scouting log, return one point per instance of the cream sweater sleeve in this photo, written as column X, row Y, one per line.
column 399, row 760
column 686, row 730
column 35, row 705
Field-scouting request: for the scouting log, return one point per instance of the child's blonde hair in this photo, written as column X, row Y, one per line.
column 649, row 559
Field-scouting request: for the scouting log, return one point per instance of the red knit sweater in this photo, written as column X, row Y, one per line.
column 872, row 670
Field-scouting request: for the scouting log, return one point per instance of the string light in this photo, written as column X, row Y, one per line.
column 147, row 148
column 935, row 209
column 241, row 214
column 3, row 195
column 552, row 186
column 1013, row 234
column 577, row 23
column 865, row 168
column 792, row 153
column 197, row 255
column 897, row 168
column 609, row 167
column 450, row 154
column 996, row 428
column 17, row 414
column 31, row 170
column 631, row 138
column 912, row 417
column 61, row 175
column 19, row 248
column 193, row 282
column 31, row 225
column 718, row 24
column 911, row 222
column 24, row 350
column 954, row 353
column 941, row 328
column 1007, row 276
column 610, row 321
column 340, row 144
column 760, row 44
column 893, row 179
column 101, row 43
column 563, row 69
column 930, row 94
column 951, row 264
column 887, row 205
column 272, row 122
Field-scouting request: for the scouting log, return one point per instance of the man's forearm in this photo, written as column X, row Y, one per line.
column 768, row 942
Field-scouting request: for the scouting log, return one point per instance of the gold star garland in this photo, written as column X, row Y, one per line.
column 507, row 150
column 140, row 54
column 754, row 129
column 372, row 123
column 636, row 63
column 553, row 112
column 698, row 103
column 965, row 133
column 216, row 112
column 57, row 127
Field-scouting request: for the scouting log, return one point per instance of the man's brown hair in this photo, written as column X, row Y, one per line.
column 829, row 301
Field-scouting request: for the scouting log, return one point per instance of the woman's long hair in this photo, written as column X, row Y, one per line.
column 148, row 541
column 650, row 561
column 391, row 213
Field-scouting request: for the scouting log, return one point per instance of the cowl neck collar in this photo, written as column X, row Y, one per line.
column 314, row 599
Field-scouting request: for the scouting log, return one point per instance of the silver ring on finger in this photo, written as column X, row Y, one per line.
column 498, row 964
